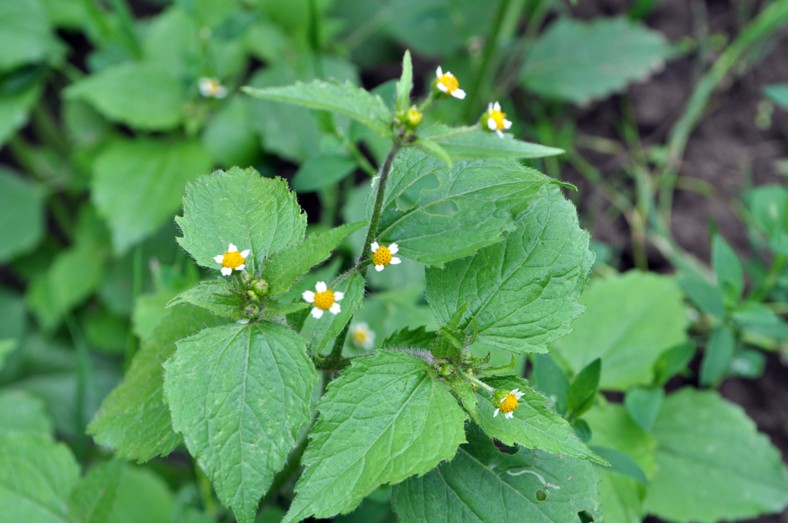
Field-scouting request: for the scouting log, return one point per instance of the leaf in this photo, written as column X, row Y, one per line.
column 241, row 207
column 718, row 356
column 25, row 36
column 322, row 170
column 240, row 394
column 522, row 293
column 112, row 493
column 134, row 420
column 20, row 411
column 673, row 361
column 137, row 185
column 471, row 143
column 768, row 208
column 14, row 108
column 345, row 99
column 21, row 215
column 321, row 331
column 437, row 213
column 727, row 267
column 141, row 95
column 578, row 61
column 643, row 405
column 712, row 464
column 706, row 296
column 758, row 318
column 629, row 321
column 551, row 380
column 483, row 484
column 583, row 390
column 405, row 84
column 36, row 478
column 777, row 93
column 431, row 148
column 216, row 296
column 285, row 267
column 228, row 136
column 534, row 425
column 384, row 419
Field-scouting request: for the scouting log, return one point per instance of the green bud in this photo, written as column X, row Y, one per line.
column 252, row 311
column 260, row 286
column 252, row 295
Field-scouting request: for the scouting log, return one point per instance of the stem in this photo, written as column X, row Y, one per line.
column 85, row 382
column 487, row 55
column 479, row 383
column 385, row 169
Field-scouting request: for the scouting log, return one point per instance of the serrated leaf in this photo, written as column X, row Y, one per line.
column 483, row 484
column 345, row 99
column 320, row 332
column 142, row 95
column 384, row 419
column 21, row 214
column 712, row 463
column 521, row 293
column 240, row 207
column 134, row 420
column 112, row 493
column 437, row 213
column 21, row 411
column 534, row 425
column 137, row 185
column 405, row 83
column 285, row 267
column 629, row 321
column 472, row 143
column 578, row 61
column 216, row 296
column 36, row 478
column 240, row 394
column 404, row 338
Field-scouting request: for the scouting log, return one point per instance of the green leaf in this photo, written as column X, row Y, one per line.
column 21, row 411
column 240, row 207
column 706, row 296
column 14, row 109
column 284, row 268
column 405, row 84
column 777, row 93
column 137, row 185
column 322, row 170
column 582, row 392
column 471, row 143
column 521, row 293
column 228, row 136
column 134, row 420
column 483, row 484
column 620, row 463
column 768, row 207
column 431, row 148
column 643, row 405
column 141, row 95
column 437, row 213
column 673, row 361
column 578, row 61
column 322, row 331
column 384, row 419
column 759, row 319
column 727, row 267
column 345, row 99
column 21, row 214
column 240, row 394
column 712, row 464
column 534, row 425
column 216, row 296
column 621, row 498
column 629, row 321
column 718, row 356
column 113, row 492
column 36, row 478
column 551, row 380
column 25, row 36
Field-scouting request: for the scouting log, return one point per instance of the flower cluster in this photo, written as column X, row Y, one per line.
column 212, row 88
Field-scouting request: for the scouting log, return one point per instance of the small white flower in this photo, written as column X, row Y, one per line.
column 362, row 335
column 232, row 260
column 447, row 83
column 496, row 119
column 212, row 88
column 508, row 404
column 324, row 299
column 383, row 256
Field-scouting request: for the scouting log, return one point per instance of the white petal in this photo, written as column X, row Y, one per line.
column 308, row 296
column 514, row 391
column 317, row 313
column 395, row 260
column 219, row 258
column 439, row 72
column 241, row 267
column 491, row 125
column 335, row 309
column 459, row 94
column 321, row 286
column 442, row 87
column 245, row 253
column 393, row 248
column 509, row 415
column 507, row 124
column 338, row 295
column 499, row 133
column 226, row 271
column 362, row 326
column 496, row 412
column 496, row 106
column 379, row 268
column 232, row 248
column 221, row 92
column 374, row 246
column 519, row 395
column 489, row 107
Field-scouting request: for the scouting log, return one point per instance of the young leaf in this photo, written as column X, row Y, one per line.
column 643, row 405
column 483, row 484
column 215, row 296
column 240, row 394
column 727, row 267
column 705, row 295
column 137, row 185
column 718, row 356
column 629, row 321
column 433, row 149
column 522, row 292
column 384, row 419
column 472, row 143
column 134, row 420
column 20, row 411
column 734, row 472
column 534, row 425
column 285, row 267
column 323, row 331
column 673, row 361
column 582, row 392
column 768, row 207
column 405, row 83
column 437, row 214
column 345, row 99
column 21, row 214
column 240, row 207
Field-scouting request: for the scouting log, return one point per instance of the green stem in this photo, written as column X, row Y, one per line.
column 490, row 44
column 385, row 169
column 479, row 383
column 85, row 381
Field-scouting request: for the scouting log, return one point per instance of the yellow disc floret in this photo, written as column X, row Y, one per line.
column 324, row 300
column 382, row 256
column 232, row 259
column 509, row 403
column 499, row 118
column 449, row 81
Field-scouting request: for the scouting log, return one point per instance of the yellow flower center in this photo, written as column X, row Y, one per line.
column 508, row 403
column 360, row 336
column 382, row 256
column 498, row 117
column 324, row 300
column 450, row 82
column 233, row 259
column 414, row 116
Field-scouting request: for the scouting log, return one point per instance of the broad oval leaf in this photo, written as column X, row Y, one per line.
column 521, row 293
column 384, row 419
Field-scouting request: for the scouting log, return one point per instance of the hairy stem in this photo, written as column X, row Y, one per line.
column 385, row 169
